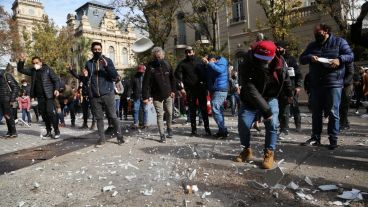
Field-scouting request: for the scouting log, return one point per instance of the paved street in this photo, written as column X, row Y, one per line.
column 143, row 172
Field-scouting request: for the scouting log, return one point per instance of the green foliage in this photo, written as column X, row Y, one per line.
column 82, row 49
column 52, row 46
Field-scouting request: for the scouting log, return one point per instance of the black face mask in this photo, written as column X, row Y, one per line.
column 97, row 55
column 190, row 57
column 319, row 37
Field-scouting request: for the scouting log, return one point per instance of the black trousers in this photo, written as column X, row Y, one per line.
column 193, row 95
column 106, row 102
column 346, row 95
column 47, row 109
column 285, row 109
column 86, row 106
column 7, row 112
column 123, row 107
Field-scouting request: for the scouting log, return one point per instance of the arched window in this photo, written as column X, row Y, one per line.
column 125, row 57
column 112, row 53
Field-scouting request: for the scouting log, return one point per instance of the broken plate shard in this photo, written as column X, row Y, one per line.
column 274, row 176
column 205, row 194
column 308, row 180
column 36, row 185
column 130, row 177
column 147, row 192
column 292, row 185
column 328, row 187
column 193, row 174
column 114, row 193
column 108, row 188
column 21, row 203
column 354, row 194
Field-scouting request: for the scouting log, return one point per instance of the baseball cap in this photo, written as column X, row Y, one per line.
column 265, row 50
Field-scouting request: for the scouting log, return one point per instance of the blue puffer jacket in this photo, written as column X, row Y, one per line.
column 102, row 75
column 218, row 75
column 334, row 47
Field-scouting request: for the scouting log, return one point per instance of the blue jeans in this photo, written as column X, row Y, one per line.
column 234, row 98
column 24, row 114
column 117, row 106
column 326, row 100
column 217, row 104
column 246, row 118
column 138, row 107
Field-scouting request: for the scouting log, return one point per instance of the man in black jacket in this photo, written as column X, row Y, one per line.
column 262, row 78
column 9, row 91
column 193, row 85
column 159, row 83
column 346, row 95
column 102, row 75
column 138, row 105
column 296, row 79
column 45, row 87
column 86, row 102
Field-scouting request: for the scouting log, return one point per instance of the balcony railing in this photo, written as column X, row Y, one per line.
column 305, row 11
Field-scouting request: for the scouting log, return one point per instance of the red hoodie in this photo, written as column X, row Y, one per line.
column 24, row 102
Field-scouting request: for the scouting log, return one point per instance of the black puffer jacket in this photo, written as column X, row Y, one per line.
column 9, row 88
column 137, row 84
column 260, row 84
column 50, row 82
column 188, row 71
column 158, row 81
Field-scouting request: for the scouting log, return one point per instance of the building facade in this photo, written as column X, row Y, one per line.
column 238, row 25
column 98, row 22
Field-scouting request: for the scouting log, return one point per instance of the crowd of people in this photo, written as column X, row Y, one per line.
column 265, row 87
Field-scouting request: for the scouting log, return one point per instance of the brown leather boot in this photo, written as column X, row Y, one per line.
column 245, row 155
column 268, row 159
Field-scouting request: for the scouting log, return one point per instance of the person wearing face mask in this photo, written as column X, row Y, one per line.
column 159, row 83
column 136, row 95
column 45, row 87
column 218, row 85
column 234, row 92
column 262, row 77
column 327, row 57
column 102, row 77
column 296, row 78
column 9, row 91
column 192, row 83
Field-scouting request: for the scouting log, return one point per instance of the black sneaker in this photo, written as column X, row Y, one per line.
column 169, row 133
column 47, row 135
column 14, row 135
column 163, row 139
column 194, row 134
column 219, row 135
column 333, row 145
column 8, row 134
column 284, row 132
column 100, row 142
column 312, row 141
column 57, row 135
column 208, row 133
column 120, row 140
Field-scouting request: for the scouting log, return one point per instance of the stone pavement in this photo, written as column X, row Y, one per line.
column 144, row 172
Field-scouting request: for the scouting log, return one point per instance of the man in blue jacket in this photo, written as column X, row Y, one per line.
column 218, row 86
column 327, row 57
column 102, row 75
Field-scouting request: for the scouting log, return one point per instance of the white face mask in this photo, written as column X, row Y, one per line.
column 37, row 66
column 24, row 84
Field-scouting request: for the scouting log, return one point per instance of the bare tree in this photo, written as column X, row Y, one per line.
column 156, row 17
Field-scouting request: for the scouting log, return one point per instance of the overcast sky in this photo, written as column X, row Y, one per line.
column 55, row 9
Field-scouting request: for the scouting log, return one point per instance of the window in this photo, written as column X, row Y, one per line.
column 181, row 38
column 112, row 53
column 124, row 55
column 238, row 11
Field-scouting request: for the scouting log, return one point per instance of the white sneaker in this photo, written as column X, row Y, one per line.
column 356, row 112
